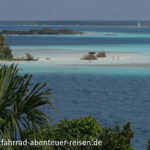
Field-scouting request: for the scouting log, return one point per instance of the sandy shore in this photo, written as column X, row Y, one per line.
column 112, row 59
column 73, row 58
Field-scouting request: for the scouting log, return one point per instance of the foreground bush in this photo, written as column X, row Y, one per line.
column 84, row 129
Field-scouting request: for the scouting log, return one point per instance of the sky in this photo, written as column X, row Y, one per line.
column 74, row 9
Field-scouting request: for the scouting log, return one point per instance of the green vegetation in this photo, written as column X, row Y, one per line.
column 94, row 56
column 43, row 31
column 20, row 102
column 148, row 144
column 101, row 54
column 5, row 51
column 29, row 57
column 91, row 53
column 84, row 129
column 90, row 56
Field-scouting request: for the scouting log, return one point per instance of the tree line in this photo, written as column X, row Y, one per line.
column 43, row 31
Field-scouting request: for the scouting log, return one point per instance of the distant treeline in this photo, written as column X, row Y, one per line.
column 43, row 31
column 96, row 23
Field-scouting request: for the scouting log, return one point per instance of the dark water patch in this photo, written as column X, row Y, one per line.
column 38, row 40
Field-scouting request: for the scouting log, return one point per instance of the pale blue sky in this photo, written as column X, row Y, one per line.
column 74, row 9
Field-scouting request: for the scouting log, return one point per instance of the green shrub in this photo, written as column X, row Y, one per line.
column 85, row 129
column 90, row 56
column 148, row 145
column 101, row 54
column 29, row 57
column 117, row 138
column 91, row 53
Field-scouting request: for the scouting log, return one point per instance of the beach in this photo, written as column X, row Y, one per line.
column 57, row 57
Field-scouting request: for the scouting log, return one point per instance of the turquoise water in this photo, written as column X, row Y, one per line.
column 109, row 48
column 45, row 67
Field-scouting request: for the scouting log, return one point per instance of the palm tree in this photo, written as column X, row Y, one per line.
column 20, row 102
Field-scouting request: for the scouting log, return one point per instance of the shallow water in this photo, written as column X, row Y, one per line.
column 45, row 67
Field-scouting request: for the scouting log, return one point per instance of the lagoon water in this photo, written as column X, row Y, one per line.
column 114, row 95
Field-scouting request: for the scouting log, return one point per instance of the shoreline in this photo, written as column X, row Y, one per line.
column 73, row 58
